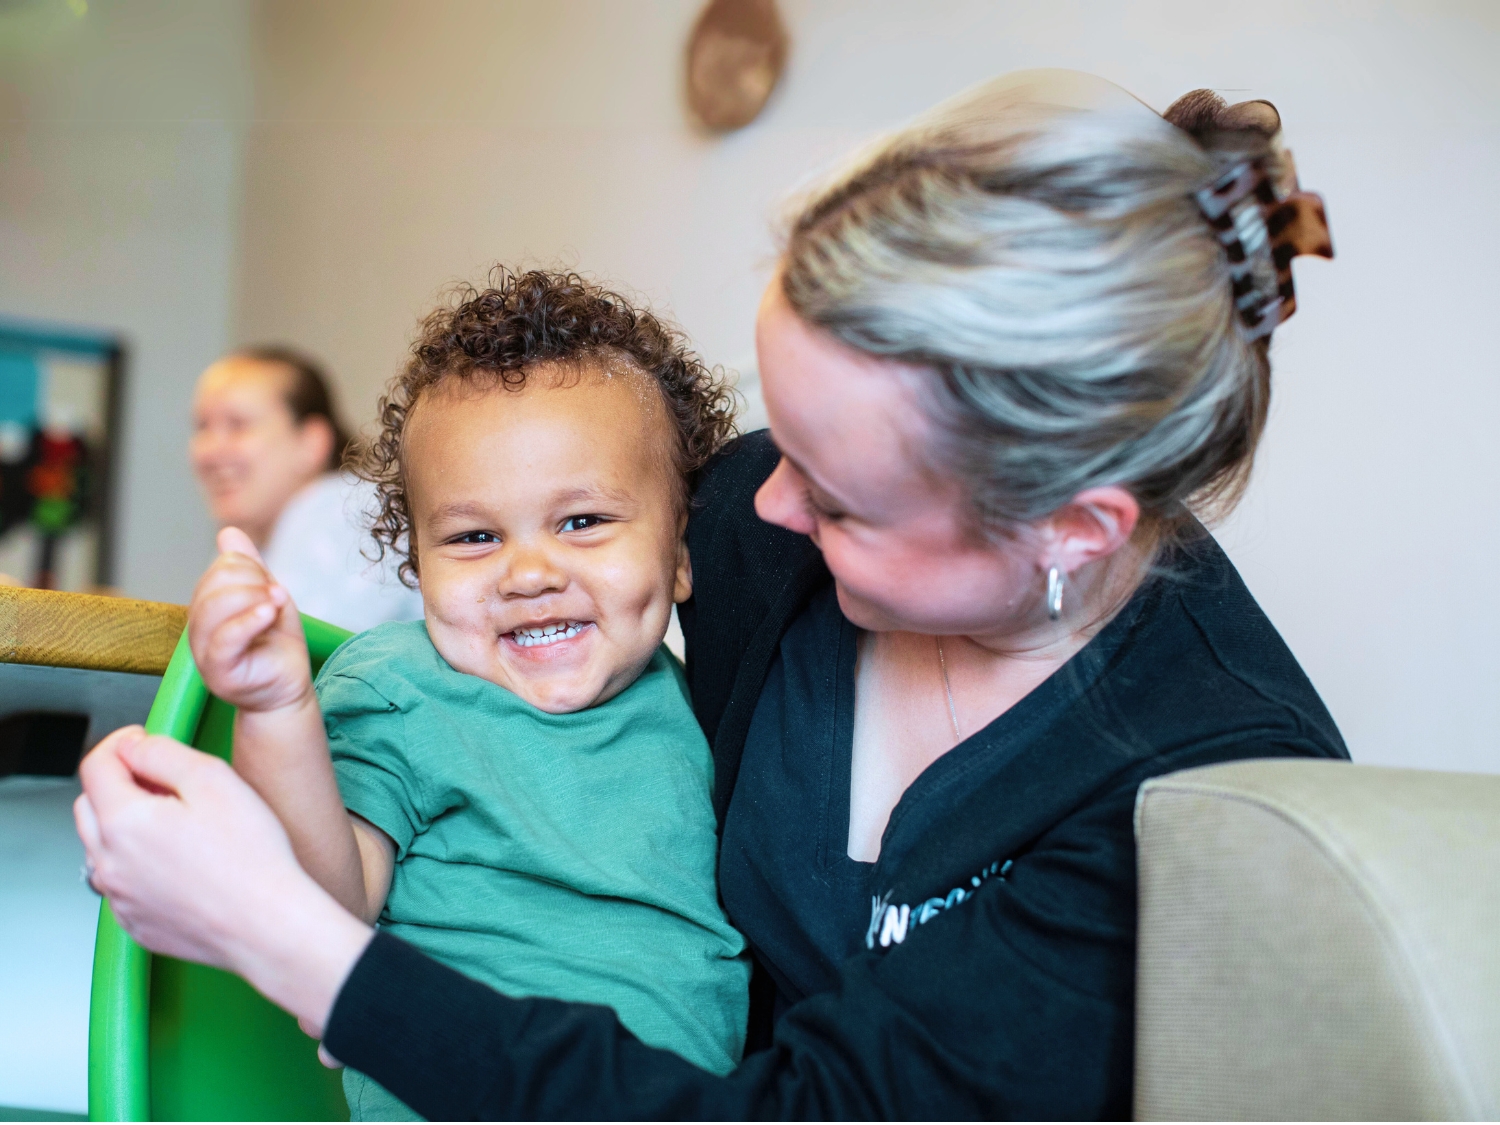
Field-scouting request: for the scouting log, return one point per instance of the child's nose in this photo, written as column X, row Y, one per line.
column 533, row 573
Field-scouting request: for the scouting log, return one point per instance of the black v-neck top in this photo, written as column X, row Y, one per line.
column 784, row 866
column 999, row 980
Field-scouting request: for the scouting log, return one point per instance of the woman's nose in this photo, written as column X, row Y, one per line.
column 783, row 501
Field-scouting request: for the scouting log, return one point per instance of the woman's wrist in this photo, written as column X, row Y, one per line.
column 302, row 951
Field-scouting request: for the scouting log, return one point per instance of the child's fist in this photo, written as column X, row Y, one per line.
column 245, row 633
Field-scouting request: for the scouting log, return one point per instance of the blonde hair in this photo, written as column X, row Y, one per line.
column 1036, row 245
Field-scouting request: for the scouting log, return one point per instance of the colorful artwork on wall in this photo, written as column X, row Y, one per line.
column 59, row 405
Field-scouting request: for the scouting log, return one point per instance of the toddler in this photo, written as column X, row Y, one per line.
column 517, row 784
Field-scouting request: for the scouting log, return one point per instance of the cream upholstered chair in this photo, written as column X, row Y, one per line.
column 1318, row 940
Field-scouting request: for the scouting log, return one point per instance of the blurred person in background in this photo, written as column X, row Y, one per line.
column 266, row 447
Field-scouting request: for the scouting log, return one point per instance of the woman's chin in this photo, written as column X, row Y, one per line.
column 864, row 614
column 882, row 617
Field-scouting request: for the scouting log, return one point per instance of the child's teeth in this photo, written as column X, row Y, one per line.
column 547, row 634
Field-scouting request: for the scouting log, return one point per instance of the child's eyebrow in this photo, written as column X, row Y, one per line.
column 460, row 510
column 593, row 495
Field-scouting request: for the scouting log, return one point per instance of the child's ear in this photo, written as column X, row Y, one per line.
column 682, row 586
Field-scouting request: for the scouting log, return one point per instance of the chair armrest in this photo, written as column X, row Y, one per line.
column 1318, row 941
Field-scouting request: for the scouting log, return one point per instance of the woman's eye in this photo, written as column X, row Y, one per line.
column 822, row 510
column 581, row 523
column 478, row 537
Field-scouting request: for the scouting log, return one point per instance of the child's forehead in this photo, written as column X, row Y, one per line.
column 591, row 398
column 591, row 387
column 533, row 450
column 606, row 369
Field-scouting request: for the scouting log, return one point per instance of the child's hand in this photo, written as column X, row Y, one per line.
column 245, row 633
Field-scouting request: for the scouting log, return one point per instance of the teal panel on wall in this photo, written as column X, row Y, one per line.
column 20, row 387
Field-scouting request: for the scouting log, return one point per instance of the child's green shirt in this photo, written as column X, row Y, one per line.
column 569, row 856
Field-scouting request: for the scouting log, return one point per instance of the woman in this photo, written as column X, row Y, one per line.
column 941, row 632
column 267, row 448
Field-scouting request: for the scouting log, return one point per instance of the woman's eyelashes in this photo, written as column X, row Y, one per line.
column 822, row 510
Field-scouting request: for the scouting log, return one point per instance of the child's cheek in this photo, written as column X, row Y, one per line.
column 461, row 602
column 636, row 588
column 628, row 583
column 459, row 629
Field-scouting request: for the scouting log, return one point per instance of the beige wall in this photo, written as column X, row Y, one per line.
column 401, row 146
column 396, row 147
column 119, row 195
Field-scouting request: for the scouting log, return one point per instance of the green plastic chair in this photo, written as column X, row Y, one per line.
column 173, row 1041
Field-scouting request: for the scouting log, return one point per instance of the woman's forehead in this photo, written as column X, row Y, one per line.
column 242, row 381
column 854, row 424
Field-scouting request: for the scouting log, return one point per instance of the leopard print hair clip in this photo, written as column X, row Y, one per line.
column 1261, row 233
column 1261, row 217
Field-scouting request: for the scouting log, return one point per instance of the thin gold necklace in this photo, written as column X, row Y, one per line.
column 948, row 688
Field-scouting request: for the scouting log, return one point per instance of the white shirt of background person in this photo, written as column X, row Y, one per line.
column 265, row 448
column 320, row 551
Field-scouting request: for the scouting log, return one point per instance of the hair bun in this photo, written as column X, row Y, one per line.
column 1205, row 115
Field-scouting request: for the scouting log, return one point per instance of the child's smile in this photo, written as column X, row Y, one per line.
column 547, row 528
column 548, row 633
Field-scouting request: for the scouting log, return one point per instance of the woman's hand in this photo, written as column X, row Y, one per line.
column 245, row 633
column 196, row 866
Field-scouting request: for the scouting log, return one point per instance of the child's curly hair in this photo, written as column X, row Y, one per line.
column 521, row 320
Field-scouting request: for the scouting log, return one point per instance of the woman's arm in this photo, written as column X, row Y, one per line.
column 1017, row 1002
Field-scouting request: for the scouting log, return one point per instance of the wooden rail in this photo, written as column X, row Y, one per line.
column 87, row 631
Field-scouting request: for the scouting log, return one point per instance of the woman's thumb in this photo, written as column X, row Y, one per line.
column 105, row 773
column 163, row 765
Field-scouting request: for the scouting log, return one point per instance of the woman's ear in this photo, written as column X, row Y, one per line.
column 1093, row 525
column 315, row 440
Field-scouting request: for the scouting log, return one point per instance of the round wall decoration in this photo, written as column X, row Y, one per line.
column 735, row 55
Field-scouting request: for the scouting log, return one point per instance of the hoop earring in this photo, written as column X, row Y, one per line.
column 1055, row 580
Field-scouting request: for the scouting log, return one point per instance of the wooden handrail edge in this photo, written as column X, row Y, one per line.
column 64, row 630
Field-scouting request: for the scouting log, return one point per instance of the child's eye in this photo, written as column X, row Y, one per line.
column 581, row 523
column 483, row 537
